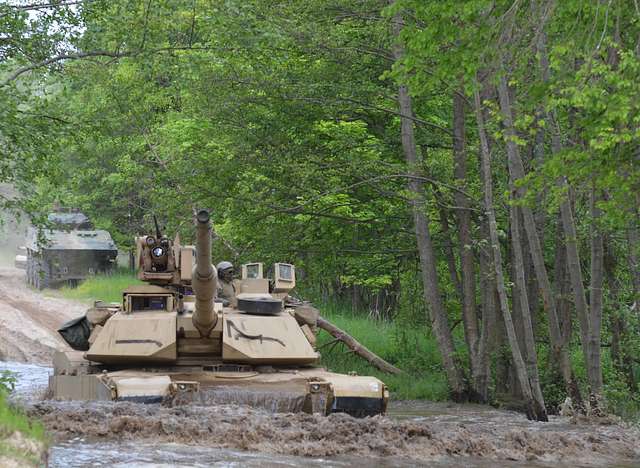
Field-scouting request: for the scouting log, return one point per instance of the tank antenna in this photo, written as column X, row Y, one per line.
column 158, row 233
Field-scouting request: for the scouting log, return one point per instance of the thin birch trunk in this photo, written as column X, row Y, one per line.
column 525, row 310
column 533, row 410
column 558, row 343
column 482, row 373
column 448, row 246
column 568, row 222
column 575, row 275
column 516, row 172
column 438, row 315
column 469, row 313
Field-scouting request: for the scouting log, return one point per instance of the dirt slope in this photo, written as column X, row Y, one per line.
column 29, row 320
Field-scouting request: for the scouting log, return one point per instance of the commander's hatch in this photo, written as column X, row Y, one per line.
column 148, row 298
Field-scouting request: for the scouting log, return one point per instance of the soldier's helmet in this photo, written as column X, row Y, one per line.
column 224, row 268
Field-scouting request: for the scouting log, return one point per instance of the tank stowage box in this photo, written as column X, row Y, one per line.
column 173, row 340
column 68, row 252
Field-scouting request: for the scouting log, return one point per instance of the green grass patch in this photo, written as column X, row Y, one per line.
column 106, row 288
column 13, row 420
column 412, row 350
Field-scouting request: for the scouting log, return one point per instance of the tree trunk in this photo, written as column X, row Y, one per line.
column 595, row 296
column 558, row 344
column 575, row 275
column 562, row 286
column 525, row 311
column 448, row 244
column 534, row 409
column 482, row 373
column 438, row 315
column 469, row 314
column 516, row 172
column 568, row 223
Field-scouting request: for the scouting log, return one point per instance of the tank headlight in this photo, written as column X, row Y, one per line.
column 150, row 241
column 164, row 243
column 157, row 252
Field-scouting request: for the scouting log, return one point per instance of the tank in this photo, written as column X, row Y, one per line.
column 70, row 251
column 173, row 340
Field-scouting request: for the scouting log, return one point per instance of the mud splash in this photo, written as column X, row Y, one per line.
column 421, row 439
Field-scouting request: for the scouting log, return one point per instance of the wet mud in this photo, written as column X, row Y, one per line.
column 420, row 438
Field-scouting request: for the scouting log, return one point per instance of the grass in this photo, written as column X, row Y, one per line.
column 13, row 420
column 412, row 350
column 106, row 288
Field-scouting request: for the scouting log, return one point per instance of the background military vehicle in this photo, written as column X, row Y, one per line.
column 68, row 252
column 170, row 339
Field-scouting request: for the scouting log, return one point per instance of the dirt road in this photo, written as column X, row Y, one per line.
column 29, row 320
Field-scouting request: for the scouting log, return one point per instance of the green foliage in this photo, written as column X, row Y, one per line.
column 7, row 382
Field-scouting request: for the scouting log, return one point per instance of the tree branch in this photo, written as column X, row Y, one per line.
column 96, row 53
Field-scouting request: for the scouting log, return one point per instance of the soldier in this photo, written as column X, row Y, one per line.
column 226, row 288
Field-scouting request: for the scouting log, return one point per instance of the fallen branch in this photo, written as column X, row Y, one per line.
column 356, row 347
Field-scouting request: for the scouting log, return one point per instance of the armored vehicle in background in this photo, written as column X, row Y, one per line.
column 68, row 252
column 172, row 340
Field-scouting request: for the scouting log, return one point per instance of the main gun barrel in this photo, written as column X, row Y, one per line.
column 204, row 278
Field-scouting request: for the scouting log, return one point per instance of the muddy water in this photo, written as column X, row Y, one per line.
column 414, row 434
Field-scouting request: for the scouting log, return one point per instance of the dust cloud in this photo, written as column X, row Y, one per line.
column 12, row 230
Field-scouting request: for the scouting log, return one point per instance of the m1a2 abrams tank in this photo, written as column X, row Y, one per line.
column 71, row 251
column 172, row 340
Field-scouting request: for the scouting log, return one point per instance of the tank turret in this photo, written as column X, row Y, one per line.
column 204, row 278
